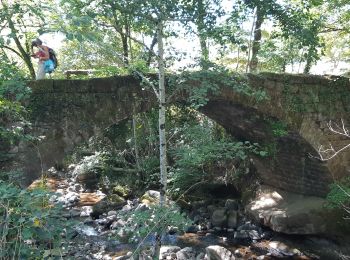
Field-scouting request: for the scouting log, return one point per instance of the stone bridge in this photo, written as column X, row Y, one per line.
column 67, row 112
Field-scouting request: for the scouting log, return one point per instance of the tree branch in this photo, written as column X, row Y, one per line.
column 328, row 153
column 119, row 30
column 11, row 49
column 328, row 30
column 143, row 77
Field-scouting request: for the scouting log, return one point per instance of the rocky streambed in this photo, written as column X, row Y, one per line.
column 219, row 229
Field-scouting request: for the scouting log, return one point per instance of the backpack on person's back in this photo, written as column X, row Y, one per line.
column 53, row 57
column 51, row 64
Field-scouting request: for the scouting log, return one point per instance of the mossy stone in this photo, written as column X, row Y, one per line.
column 123, row 191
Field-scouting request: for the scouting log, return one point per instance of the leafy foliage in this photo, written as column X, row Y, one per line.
column 279, row 128
column 203, row 155
column 30, row 227
column 339, row 196
column 201, row 84
column 12, row 114
column 144, row 223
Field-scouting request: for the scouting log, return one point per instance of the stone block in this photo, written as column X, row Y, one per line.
column 232, row 216
column 219, row 218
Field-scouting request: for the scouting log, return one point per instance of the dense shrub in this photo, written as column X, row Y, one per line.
column 202, row 153
column 30, row 226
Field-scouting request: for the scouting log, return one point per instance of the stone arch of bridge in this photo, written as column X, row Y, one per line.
column 70, row 111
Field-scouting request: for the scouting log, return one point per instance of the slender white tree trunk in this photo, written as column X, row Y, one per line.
column 135, row 141
column 162, row 136
column 250, row 41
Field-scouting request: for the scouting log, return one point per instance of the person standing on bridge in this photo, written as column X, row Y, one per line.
column 45, row 64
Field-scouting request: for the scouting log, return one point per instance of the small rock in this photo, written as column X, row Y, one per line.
column 117, row 224
column 88, row 221
column 112, row 213
column 71, row 167
column 248, row 226
column 192, row 229
column 60, row 191
column 167, row 250
column 238, row 253
column 86, row 211
column 142, row 207
column 203, row 227
column 53, row 198
column 218, row 253
column 77, row 187
column 200, row 256
column 241, row 235
column 106, row 257
column 279, row 249
column 253, row 234
column 86, row 230
column 126, row 208
column 74, row 213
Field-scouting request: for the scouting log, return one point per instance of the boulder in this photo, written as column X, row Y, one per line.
column 87, row 171
column 123, row 191
column 168, row 250
column 218, row 253
column 151, row 197
column 288, row 212
column 117, row 200
column 114, row 202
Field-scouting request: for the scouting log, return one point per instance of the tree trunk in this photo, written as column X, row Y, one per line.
column 125, row 45
column 253, row 66
column 202, row 34
column 23, row 54
column 238, row 53
column 134, row 122
column 131, row 54
column 250, row 41
column 309, row 60
column 162, row 136
column 284, row 66
column 150, row 52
